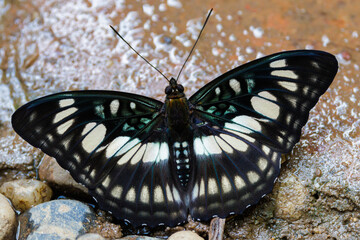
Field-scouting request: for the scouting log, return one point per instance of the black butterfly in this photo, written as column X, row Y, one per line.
column 213, row 154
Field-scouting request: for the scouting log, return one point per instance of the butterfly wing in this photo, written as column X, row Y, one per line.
column 113, row 143
column 245, row 119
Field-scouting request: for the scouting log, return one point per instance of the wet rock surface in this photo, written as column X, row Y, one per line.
column 46, row 47
column 7, row 219
column 57, row 219
column 51, row 172
column 26, row 193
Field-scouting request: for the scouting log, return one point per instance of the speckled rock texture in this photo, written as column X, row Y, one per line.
column 52, row 46
column 26, row 193
column 57, row 219
column 7, row 219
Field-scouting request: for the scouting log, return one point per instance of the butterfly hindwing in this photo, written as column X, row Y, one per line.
column 140, row 187
column 234, row 172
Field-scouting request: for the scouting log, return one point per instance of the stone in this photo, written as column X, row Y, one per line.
column 54, row 174
column 185, row 235
column 57, row 219
column 7, row 219
column 25, row 193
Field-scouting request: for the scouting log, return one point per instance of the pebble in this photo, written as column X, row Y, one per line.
column 185, row 235
column 7, row 219
column 26, row 193
column 55, row 220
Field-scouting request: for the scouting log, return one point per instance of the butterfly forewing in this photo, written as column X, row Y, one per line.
column 269, row 98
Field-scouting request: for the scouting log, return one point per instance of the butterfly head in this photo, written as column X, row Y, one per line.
column 174, row 90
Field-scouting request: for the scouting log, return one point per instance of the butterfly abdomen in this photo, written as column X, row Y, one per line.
column 183, row 162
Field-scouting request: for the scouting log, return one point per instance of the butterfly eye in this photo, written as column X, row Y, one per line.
column 180, row 88
column 168, row 90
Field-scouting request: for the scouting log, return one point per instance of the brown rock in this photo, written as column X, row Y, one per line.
column 51, row 172
column 7, row 219
column 26, row 193
column 185, row 235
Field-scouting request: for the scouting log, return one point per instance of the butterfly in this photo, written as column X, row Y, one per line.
column 214, row 154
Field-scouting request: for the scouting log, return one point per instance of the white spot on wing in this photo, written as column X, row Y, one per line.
column 217, row 91
column 66, row 102
column 202, row 188
column 225, row 184
column 242, row 135
column 210, row 144
column 169, row 194
column 266, row 149
column 253, row 177
column 164, row 151
column 116, row 192
column 61, row 129
column 127, row 156
column 212, row 186
column 235, row 85
column 285, row 73
column 132, row 105
column 145, row 196
column 262, row 163
column 224, row 146
column 278, row 64
column 128, row 146
column 264, row 106
column 114, row 107
column 138, row 156
column 130, row 196
column 195, row 190
column 239, row 182
column 288, row 85
column 244, row 124
column 315, row 64
column 64, row 114
column 235, row 143
column 152, row 152
column 176, row 195
column 94, row 137
column 158, row 195
column 199, row 147
column 106, row 182
column 115, row 145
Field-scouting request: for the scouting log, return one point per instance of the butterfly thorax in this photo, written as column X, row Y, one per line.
column 177, row 112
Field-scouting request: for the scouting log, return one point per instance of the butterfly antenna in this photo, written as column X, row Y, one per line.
column 207, row 18
column 139, row 53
